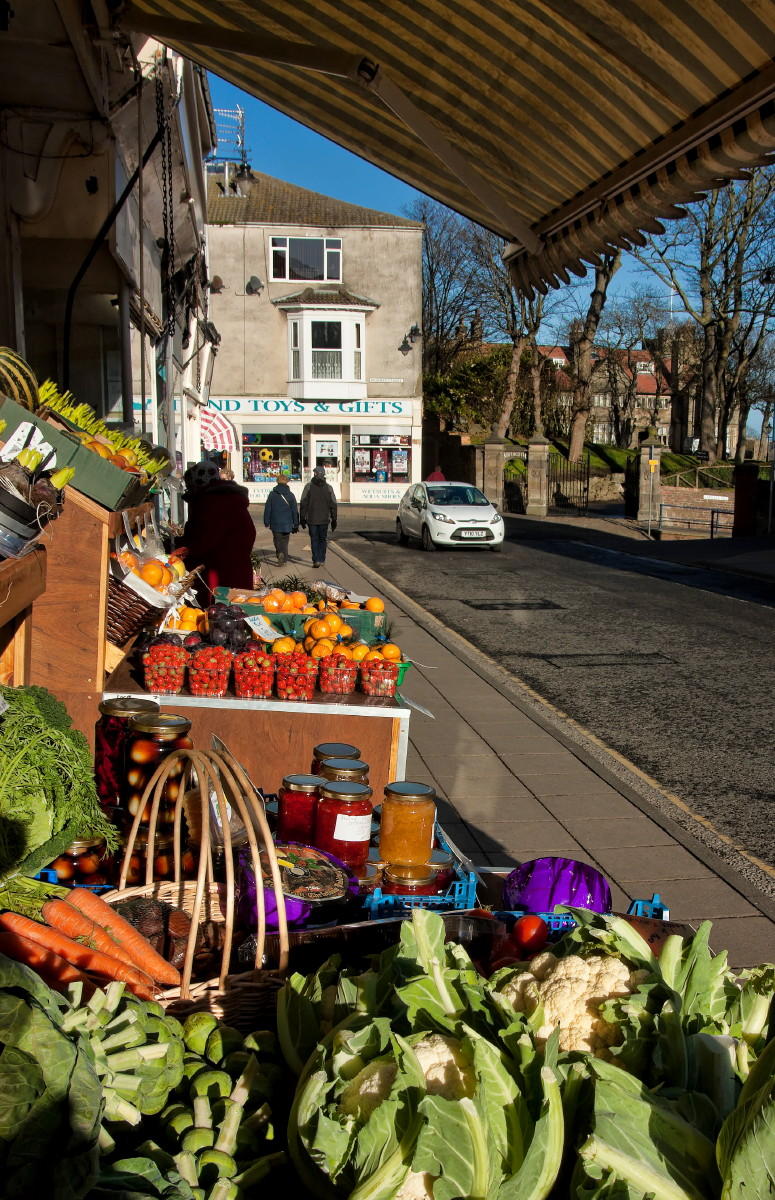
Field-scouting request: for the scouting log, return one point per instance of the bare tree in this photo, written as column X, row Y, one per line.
column 623, row 331
column 582, row 342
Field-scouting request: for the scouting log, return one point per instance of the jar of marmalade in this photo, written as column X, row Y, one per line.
column 344, row 768
column 408, row 823
column 110, row 738
column 410, row 881
column 343, row 821
column 297, row 804
column 332, row 750
column 151, row 738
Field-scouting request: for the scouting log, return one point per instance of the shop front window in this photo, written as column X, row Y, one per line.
column 326, row 349
column 381, row 458
column 265, row 454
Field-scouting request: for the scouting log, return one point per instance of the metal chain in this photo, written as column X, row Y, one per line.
column 168, row 209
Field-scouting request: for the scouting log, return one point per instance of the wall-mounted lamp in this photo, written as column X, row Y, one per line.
column 414, row 333
column 253, row 286
column 216, row 285
column 405, row 346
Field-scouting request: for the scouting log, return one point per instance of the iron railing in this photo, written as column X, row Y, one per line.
column 717, row 521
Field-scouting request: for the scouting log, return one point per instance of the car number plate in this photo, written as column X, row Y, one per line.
column 473, row 532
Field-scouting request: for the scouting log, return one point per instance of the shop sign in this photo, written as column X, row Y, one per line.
column 378, row 493
column 288, row 407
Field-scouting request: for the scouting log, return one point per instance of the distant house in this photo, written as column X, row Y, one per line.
column 319, row 305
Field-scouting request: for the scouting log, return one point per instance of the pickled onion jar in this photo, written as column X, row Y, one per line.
column 343, row 821
column 110, row 737
column 408, row 823
column 151, row 739
column 332, row 750
column 297, row 805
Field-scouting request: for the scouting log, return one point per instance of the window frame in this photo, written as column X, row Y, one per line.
column 280, row 248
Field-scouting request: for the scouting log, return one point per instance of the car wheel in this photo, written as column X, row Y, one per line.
column 427, row 541
column 401, row 537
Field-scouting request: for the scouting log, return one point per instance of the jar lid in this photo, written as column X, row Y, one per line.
column 84, row 844
column 162, row 841
column 348, row 767
column 335, row 750
column 301, row 783
column 127, row 706
column 375, row 858
column 440, row 859
column 413, row 876
column 344, row 789
column 165, row 724
column 407, row 792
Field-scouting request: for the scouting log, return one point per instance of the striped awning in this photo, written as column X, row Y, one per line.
column 216, row 432
column 567, row 126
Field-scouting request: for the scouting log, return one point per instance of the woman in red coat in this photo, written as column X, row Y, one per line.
column 219, row 533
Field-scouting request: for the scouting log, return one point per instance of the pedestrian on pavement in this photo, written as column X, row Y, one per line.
column 219, row 532
column 318, row 507
column 281, row 515
column 436, row 476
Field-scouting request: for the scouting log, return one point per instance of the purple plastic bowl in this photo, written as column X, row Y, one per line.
column 541, row 883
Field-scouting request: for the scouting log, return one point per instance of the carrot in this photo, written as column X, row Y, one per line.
column 68, row 920
column 137, row 948
column 77, row 954
column 52, row 968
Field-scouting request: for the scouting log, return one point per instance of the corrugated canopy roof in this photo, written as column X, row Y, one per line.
column 567, row 126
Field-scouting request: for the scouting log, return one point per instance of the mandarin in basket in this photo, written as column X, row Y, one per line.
column 372, row 654
column 333, row 621
column 153, row 572
column 391, row 651
column 299, row 599
column 343, row 651
column 359, row 651
column 320, row 628
column 271, row 604
column 322, row 648
column 287, row 605
column 308, row 643
column 345, row 631
column 374, row 604
column 283, row 645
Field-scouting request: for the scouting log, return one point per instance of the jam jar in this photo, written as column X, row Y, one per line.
column 86, row 863
column 410, row 881
column 343, row 821
column 151, row 739
column 354, row 769
column 332, row 750
column 442, row 862
column 163, row 860
column 408, row 822
column 110, row 737
column 297, row 804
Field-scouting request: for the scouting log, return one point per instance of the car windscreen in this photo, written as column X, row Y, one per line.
column 450, row 495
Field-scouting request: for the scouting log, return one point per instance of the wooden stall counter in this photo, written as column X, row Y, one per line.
column 273, row 738
column 22, row 581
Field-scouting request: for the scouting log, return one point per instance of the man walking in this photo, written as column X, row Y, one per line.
column 281, row 515
column 318, row 507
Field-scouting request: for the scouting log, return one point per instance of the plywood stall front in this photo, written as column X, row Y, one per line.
column 22, row 581
column 69, row 643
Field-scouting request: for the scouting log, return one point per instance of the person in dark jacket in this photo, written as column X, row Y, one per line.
column 318, row 507
column 281, row 515
column 219, row 532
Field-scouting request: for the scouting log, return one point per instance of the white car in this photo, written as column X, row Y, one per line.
column 448, row 514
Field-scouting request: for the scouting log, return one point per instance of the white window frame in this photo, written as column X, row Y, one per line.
column 279, row 245
column 295, row 349
column 358, row 350
column 644, row 367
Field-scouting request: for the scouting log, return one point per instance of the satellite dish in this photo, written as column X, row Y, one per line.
column 216, row 284
column 253, row 285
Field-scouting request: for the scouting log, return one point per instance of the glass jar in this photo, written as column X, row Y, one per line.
column 442, row 862
column 151, row 739
column 332, row 750
column 408, row 823
column 343, row 821
column 344, row 768
column 86, row 863
column 410, row 881
column 163, row 860
column 297, row 804
column 110, row 738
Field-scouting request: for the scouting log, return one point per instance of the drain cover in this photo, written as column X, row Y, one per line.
column 510, row 605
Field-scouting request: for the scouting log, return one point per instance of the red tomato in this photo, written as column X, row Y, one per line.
column 530, row 934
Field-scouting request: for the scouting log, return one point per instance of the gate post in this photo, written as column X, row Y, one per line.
column 492, row 473
column 649, row 485
column 537, row 477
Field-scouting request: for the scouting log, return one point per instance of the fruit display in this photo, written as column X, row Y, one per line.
column 253, row 674
column 209, row 670
column 379, row 677
column 296, row 676
column 338, row 674
column 164, row 667
column 128, row 453
column 164, row 573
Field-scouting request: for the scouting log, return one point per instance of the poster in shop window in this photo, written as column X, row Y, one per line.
column 400, row 462
column 362, row 461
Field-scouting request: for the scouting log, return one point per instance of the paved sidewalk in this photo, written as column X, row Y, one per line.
column 512, row 786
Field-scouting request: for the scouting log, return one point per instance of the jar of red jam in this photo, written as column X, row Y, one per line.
column 153, row 737
column 343, row 821
column 297, row 804
column 344, row 768
column 442, row 862
column 410, row 881
column 332, row 750
column 110, row 738
column 86, row 863
column 408, row 823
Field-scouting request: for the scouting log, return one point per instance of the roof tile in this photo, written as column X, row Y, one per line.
column 270, row 201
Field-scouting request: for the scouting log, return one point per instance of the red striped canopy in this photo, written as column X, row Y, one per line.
column 217, row 433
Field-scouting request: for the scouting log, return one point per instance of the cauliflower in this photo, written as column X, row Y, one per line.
column 446, row 1067
column 417, row 1186
column 571, row 992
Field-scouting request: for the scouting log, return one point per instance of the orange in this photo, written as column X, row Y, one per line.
column 359, row 651
column 300, row 645
column 371, row 654
column 299, row 599
column 153, row 572
column 99, row 448
column 374, row 604
column 128, row 559
column 271, row 604
column 308, row 643
column 189, row 624
column 349, row 604
column 322, row 648
column 255, row 600
column 333, row 621
column 309, row 608
column 287, row 605
column 320, row 629
column 391, row 651
column 283, row 645
column 345, row 631
column 343, row 651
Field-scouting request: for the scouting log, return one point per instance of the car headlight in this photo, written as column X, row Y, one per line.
column 496, row 519
column 437, row 516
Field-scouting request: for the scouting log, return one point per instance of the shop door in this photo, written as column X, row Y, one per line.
column 327, row 453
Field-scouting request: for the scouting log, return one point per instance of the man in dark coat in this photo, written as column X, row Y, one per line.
column 219, row 532
column 281, row 515
column 318, row 507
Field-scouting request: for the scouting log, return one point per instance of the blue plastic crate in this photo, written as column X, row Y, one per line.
column 559, row 923
column 460, row 894
column 49, row 876
column 655, row 908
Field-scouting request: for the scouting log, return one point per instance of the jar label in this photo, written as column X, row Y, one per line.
column 350, row 828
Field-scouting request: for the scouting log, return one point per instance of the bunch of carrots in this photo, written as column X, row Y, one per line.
column 79, row 938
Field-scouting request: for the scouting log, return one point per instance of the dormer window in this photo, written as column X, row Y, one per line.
column 315, row 258
column 644, row 368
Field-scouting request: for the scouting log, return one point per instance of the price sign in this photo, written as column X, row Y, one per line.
column 262, row 629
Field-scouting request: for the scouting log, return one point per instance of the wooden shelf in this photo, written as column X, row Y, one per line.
column 22, row 580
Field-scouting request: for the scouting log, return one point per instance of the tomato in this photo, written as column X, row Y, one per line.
column 480, row 912
column 530, row 934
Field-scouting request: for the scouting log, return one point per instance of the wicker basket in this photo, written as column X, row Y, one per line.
column 128, row 612
column 245, row 999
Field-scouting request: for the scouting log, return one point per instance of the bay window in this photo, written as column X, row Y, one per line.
column 326, row 338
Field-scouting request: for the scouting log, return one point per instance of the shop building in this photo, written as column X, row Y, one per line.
column 318, row 305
